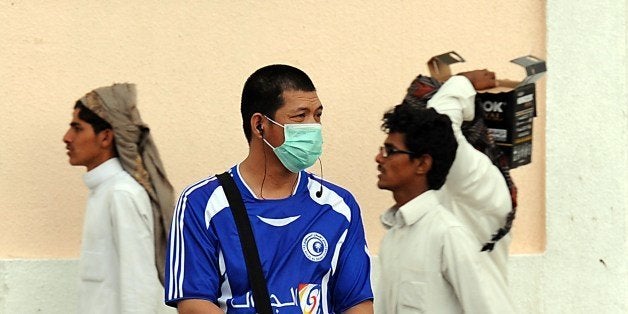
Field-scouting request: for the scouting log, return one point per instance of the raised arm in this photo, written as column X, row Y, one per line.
column 472, row 177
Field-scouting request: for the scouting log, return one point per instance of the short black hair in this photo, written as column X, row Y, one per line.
column 98, row 124
column 263, row 90
column 426, row 132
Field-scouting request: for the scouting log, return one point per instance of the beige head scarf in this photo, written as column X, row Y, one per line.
column 138, row 154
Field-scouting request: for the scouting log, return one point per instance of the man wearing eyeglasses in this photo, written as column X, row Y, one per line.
column 430, row 260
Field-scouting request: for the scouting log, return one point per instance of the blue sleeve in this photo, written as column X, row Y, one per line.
column 192, row 263
column 352, row 278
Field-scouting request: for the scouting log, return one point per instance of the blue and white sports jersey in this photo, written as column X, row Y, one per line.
column 312, row 249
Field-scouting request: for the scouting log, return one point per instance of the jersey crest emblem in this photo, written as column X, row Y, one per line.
column 314, row 246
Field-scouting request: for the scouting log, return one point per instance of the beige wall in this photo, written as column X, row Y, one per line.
column 190, row 61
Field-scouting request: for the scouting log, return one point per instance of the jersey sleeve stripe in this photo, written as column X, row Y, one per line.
column 217, row 202
column 336, row 256
column 174, row 241
column 177, row 243
column 330, row 197
column 324, row 292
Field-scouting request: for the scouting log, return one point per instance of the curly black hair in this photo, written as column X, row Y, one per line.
column 427, row 132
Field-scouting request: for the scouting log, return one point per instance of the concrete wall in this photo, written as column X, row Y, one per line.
column 584, row 268
column 190, row 61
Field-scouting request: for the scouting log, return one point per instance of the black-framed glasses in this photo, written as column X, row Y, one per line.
column 390, row 150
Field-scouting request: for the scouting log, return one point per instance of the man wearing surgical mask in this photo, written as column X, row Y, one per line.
column 308, row 231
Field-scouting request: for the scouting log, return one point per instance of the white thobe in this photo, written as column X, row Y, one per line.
column 117, row 264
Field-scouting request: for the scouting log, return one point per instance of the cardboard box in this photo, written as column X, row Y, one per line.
column 508, row 109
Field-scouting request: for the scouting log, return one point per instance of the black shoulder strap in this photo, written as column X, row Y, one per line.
column 251, row 255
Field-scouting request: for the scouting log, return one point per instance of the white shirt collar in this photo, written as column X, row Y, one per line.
column 101, row 173
column 410, row 212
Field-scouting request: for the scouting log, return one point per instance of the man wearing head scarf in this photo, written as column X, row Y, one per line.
column 129, row 207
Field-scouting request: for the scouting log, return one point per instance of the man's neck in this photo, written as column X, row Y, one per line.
column 99, row 162
column 267, row 177
column 403, row 196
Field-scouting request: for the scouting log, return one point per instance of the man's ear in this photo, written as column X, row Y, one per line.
column 257, row 128
column 424, row 164
column 106, row 138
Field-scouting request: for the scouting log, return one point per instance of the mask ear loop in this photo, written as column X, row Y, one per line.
column 261, row 191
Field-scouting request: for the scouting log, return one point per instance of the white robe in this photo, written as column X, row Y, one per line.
column 117, row 265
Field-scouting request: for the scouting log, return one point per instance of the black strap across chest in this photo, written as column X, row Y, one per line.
column 249, row 247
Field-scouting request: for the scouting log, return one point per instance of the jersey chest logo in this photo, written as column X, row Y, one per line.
column 314, row 246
